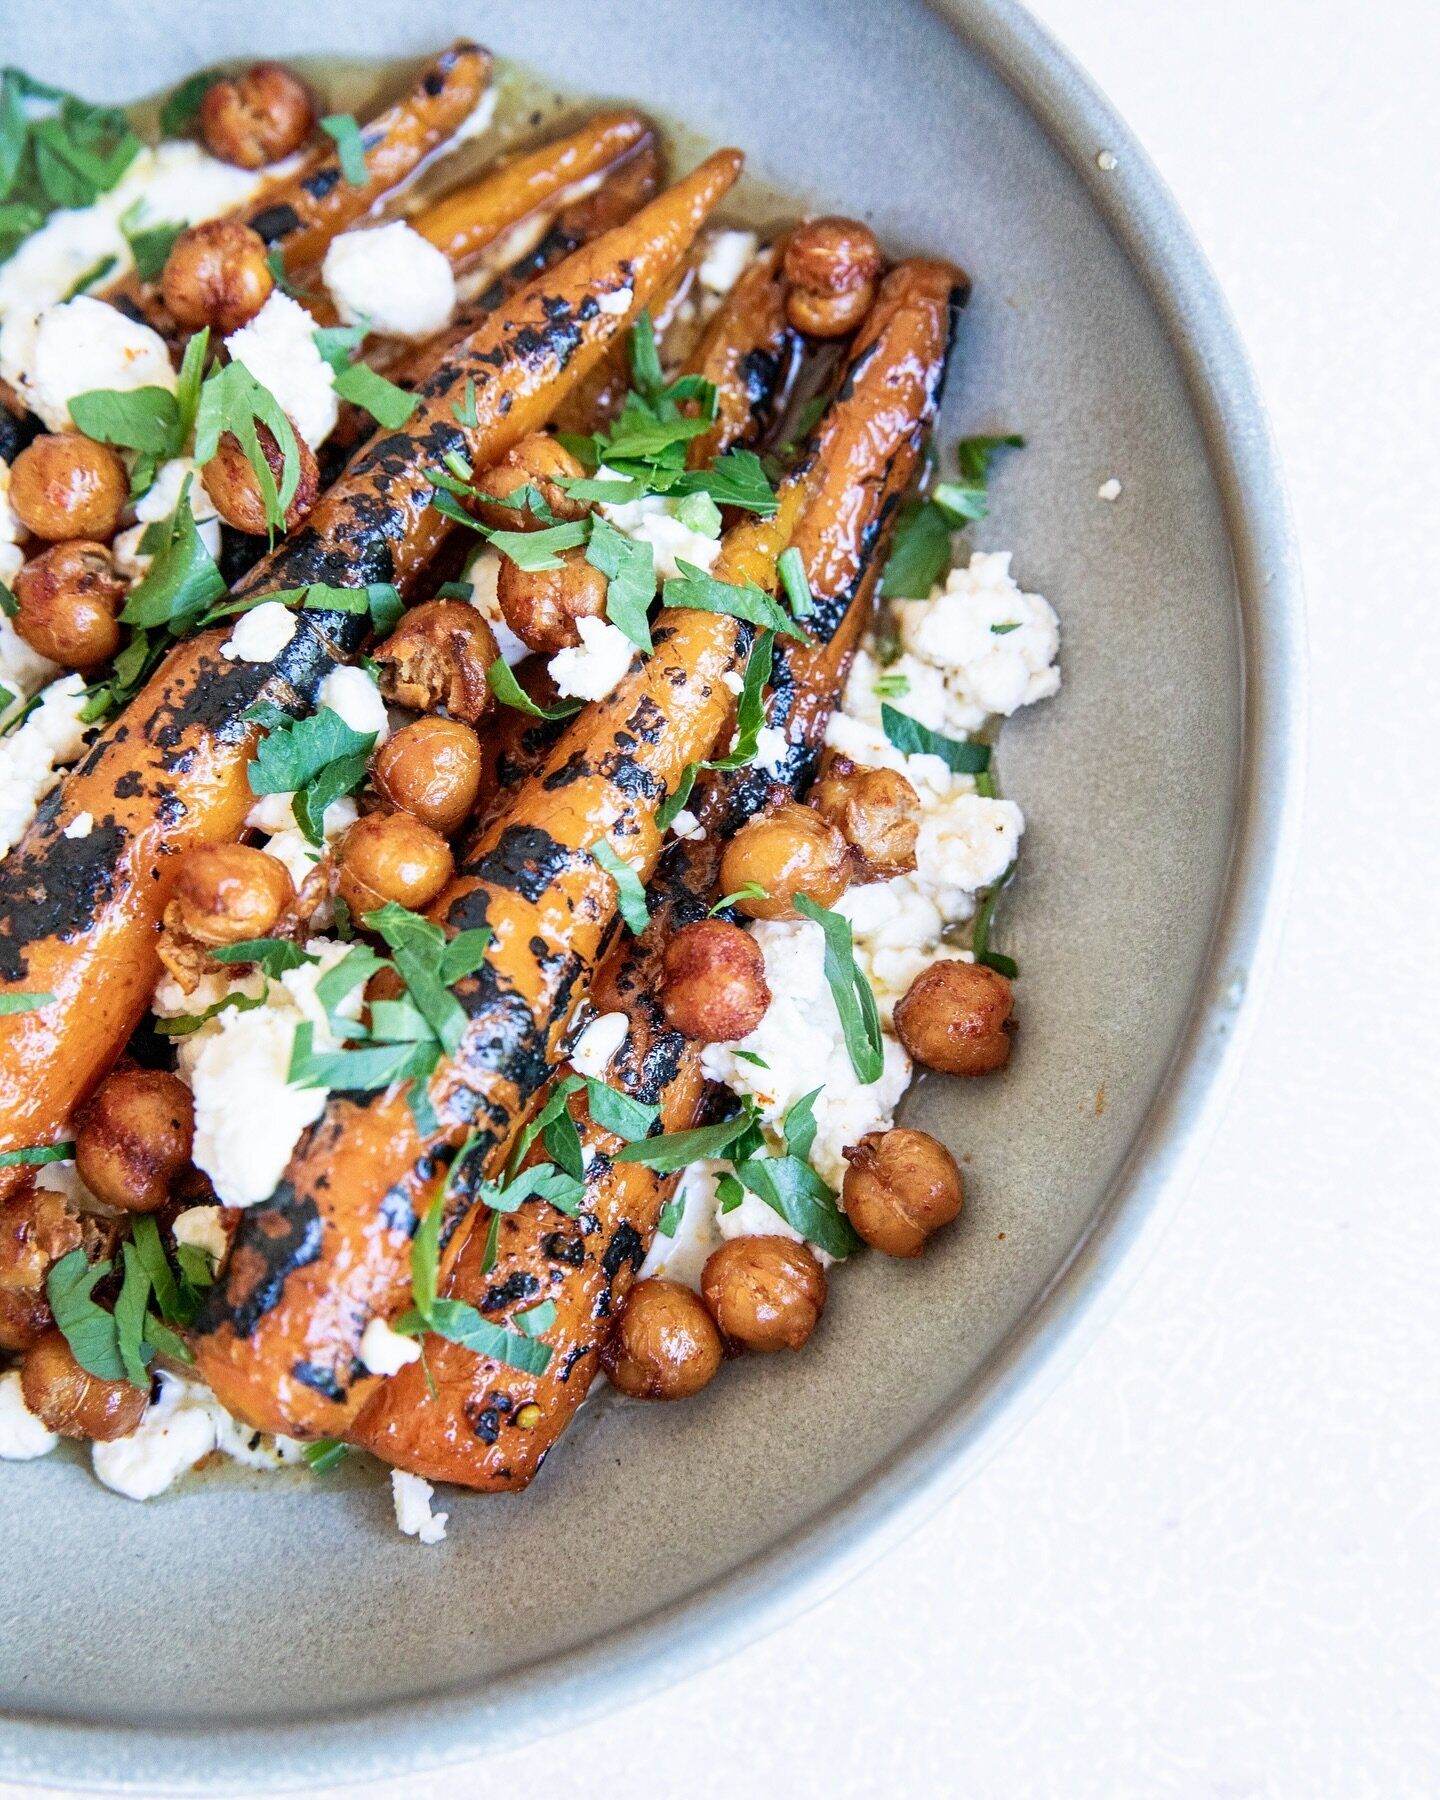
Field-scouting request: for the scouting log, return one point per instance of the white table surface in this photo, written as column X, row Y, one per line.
column 1209, row 1565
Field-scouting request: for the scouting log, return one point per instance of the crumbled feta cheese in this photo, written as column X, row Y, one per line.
column 258, row 636
column 391, row 279
column 597, row 1045
column 248, row 1118
column 996, row 644
column 76, row 345
column 682, row 1256
column 727, row 256
column 964, row 845
column 654, row 520
column 1110, row 490
column 355, row 695
column 80, row 826
column 171, row 1001
column 734, row 681
column 289, row 845
column 483, row 574
column 386, row 1352
column 278, row 348
column 596, row 666
column 686, row 825
column 203, row 1227
column 32, row 755
column 897, row 929
column 22, row 670
column 801, row 1042
column 178, row 1430
column 411, row 1494
column 23, row 1436
column 771, row 749
column 616, row 305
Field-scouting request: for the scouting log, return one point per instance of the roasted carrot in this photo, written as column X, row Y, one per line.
column 78, row 916
column 307, row 1272
column 478, row 1421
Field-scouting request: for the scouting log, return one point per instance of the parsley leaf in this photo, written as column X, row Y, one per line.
column 419, row 949
column 455, row 1319
column 181, row 581
column 791, row 1188
column 915, row 739
column 853, row 996
column 535, row 1321
column 150, row 245
column 694, row 588
column 631, row 901
column 750, row 712
column 674, row 803
column 618, row 1112
column 183, row 105
column 752, row 890
column 232, row 400
column 325, row 1454
column 629, row 568
column 920, row 553
column 538, row 550
column 675, row 1149
column 136, row 419
column 799, row 1125
column 737, row 478
column 791, row 569
column 89, row 1330
column 349, row 145
column 318, row 758
column 276, row 956
column 508, row 691
column 390, row 406
column 23, row 1003
column 980, row 932
column 975, row 454
column 182, row 1024
column 33, row 1155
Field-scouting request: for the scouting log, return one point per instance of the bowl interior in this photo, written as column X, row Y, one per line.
column 245, row 1603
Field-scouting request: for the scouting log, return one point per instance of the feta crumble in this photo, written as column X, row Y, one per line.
column 1110, row 490
column 179, row 1429
column 727, row 256
column 69, row 348
column 23, row 1436
column 32, row 755
column 258, row 636
column 654, row 519
column 386, row 1352
column 355, row 695
column 390, row 279
column 80, row 826
column 595, row 666
column 597, row 1045
column 203, row 1228
column 616, row 305
column 411, row 1494
column 482, row 572
column 995, row 644
column 771, row 749
column 278, row 348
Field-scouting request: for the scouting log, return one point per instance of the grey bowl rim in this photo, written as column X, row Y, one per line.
column 412, row 1733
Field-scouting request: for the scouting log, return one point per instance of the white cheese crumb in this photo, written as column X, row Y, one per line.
column 995, row 644
column 734, row 681
column 258, row 636
column 686, row 825
column 964, row 845
column 77, row 345
column 411, row 1494
column 163, row 494
column 386, row 1352
column 355, row 695
column 727, row 256
column 390, row 278
column 23, row 1436
column 80, row 826
column 1105, row 159
column 177, row 1431
column 483, row 574
column 654, row 520
column 1110, row 490
column 278, row 348
column 596, row 666
column 682, row 1256
column 771, row 748
column 203, row 1227
column 31, row 756
column 598, row 1043
column 616, row 305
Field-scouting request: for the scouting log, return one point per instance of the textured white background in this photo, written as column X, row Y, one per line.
column 1210, row 1565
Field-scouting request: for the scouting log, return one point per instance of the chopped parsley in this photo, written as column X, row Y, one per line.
column 349, row 145
column 851, row 991
column 63, row 155
column 631, row 891
column 232, row 401
column 915, row 739
column 23, row 1003
column 508, row 691
column 318, row 759
column 980, row 932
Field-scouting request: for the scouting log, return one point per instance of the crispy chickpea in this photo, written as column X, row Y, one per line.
column 390, row 856
column 135, row 1138
column 953, row 1018
column 832, row 266
column 714, row 986
column 232, row 484
column 69, row 599
column 258, row 117
column 901, row 1186
column 229, row 893
column 876, row 811
column 541, row 606
column 437, row 656
column 65, row 485
column 37, row 1228
column 788, row 851
column 765, row 1293
column 664, row 1345
column 71, row 1400
column 431, row 769
column 216, row 275
column 537, row 461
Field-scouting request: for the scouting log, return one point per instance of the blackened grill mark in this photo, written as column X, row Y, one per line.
column 322, row 1381
column 568, row 1367
column 275, row 222
column 568, row 1250
column 572, row 769
column 322, row 182
column 625, row 1246
column 272, row 1243
column 518, row 1286
column 633, row 780
column 397, row 1211
column 526, row 861
column 129, row 786
column 434, row 83
column 647, row 721
column 59, row 889
column 761, row 371
column 485, row 1424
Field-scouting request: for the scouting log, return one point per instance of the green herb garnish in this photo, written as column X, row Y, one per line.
column 345, row 130
column 853, row 996
column 915, row 739
column 631, row 890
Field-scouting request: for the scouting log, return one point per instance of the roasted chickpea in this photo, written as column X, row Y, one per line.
column 258, row 117
column 541, row 606
column 788, row 851
column 664, row 1345
column 953, row 1018
column 431, row 769
column 37, row 1228
column 232, row 484
column 69, row 599
column 765, row 1293
column 901, row 1186
column 216, row 275
column 71, row 1400
column 714, row 986
column 228, row 893
column 876, row 811
column 537, row 461
column 135, row 1138
column 390, row 856
column 832, row 266
column 437, row 656
column 65, row 485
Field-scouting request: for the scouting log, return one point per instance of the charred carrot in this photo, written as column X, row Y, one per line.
column 78, row 916
column 483, row 1423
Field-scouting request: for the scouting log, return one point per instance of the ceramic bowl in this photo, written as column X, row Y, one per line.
column 269, row 1634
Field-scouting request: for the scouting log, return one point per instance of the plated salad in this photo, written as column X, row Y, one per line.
column 497, row 788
